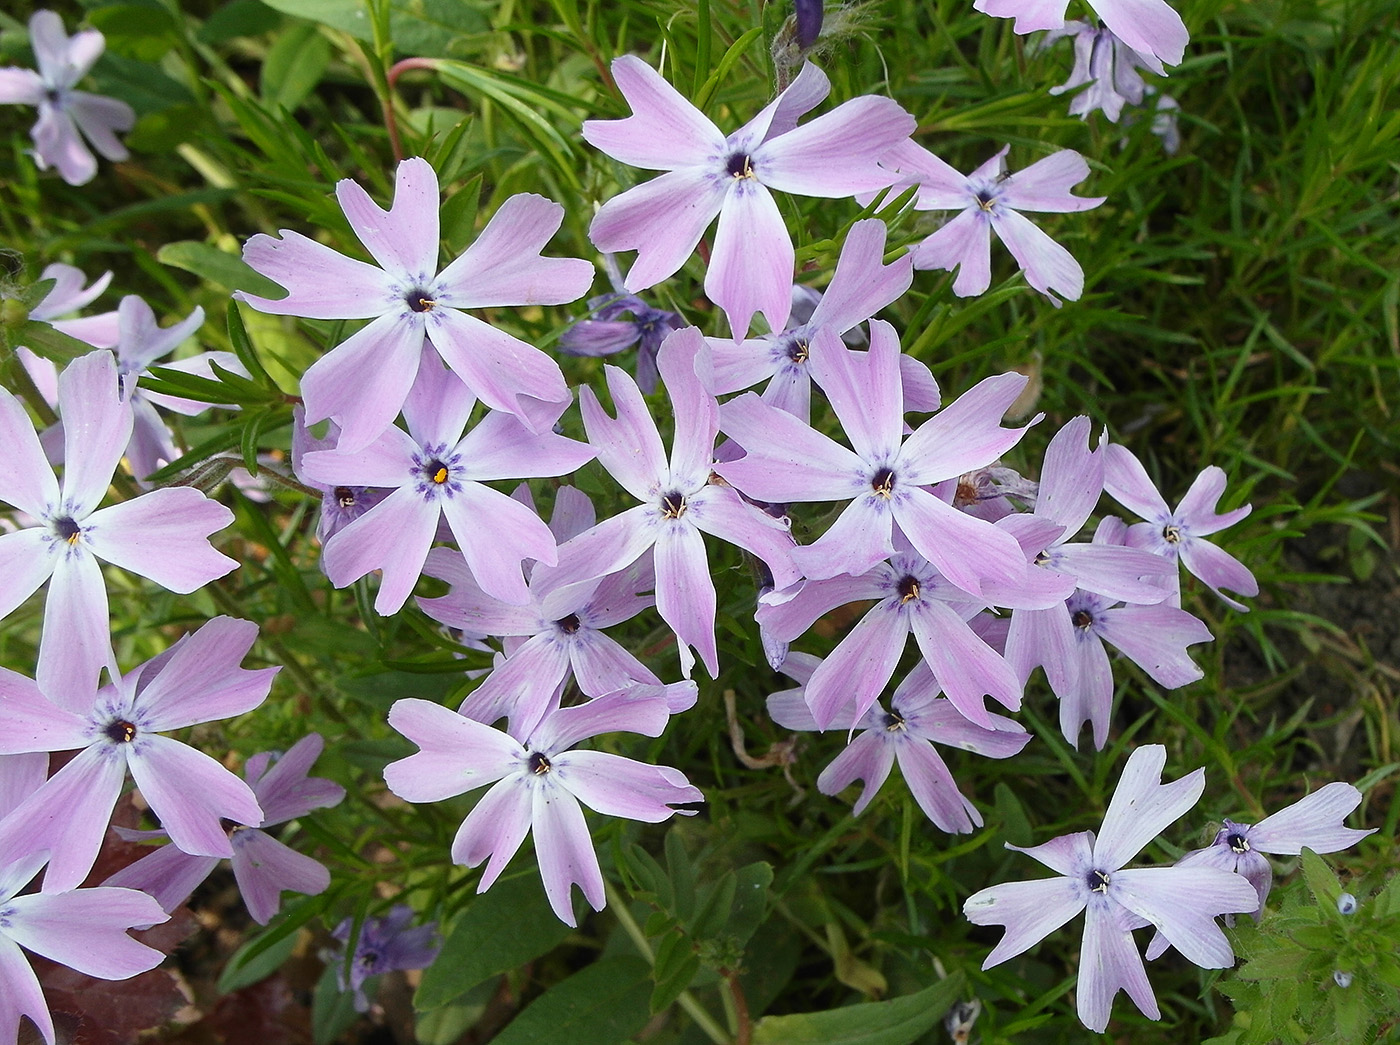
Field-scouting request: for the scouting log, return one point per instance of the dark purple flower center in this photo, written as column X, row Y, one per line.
column 1238, row 843
column 908, row 588
column 797, row 350
column 883, row 482
column 985, row 199
column 419, row 301
column 894, row 722
column 539, row 765
column 739, row 165
column 121, row 731
column 569, row 625
column 1082, row 619
column 345, row 496
column 437, row 472
column 673, row 504
column 1097, row 881
column 67, row 528
column 1171, row 533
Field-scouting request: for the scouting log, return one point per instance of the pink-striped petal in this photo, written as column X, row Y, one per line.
column 965, row 244
column 26, row 479
column 1030, row 911
column 565, row 852
column 96, row 429
column 504, row 265
column 751, row 264
column 393, row 536
column 163, row 535
column 86, row 929
column 664, row 132
column 321, row 283
column 504, row 372
column 685, row 594
column 75, row 644
column 495, row 827
column 404, row 238
column 362, row 382
column 662, row 220
column 617, row 786
column 1109, row 961
column 265, row 867
column 496, row 534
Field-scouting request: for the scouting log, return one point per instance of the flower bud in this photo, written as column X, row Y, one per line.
column 1346, row 903
column 13, row 313
column 1343, row 979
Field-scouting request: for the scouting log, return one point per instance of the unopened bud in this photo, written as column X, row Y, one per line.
column 1346, row 903
column 13, row 313
column 1343, row 978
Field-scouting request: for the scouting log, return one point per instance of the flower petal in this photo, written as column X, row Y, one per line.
column 1049, row 267
column 1183, row 902
column 664, row 132
column 965, row 244
column 393, row 536
column 495, row 827
column 75, row 644
column 164, row 535
column 850, row 679
column 865, row 389
column 265, row 867
column 404, row 238
column 1045, row 184
column 869, row 757
column 86, row 929
column 456, row 754
column 362, row 382
column 786, row 459
column 751, row 264
column 202, row 680
column 1147, row 26
column 685, row 594
column 504, row 372
column 22, row 995
column 496, row 534
column 26, row 479
column 504, row 266
column 1314, row 821
column 96, row 429
column 662, row 219
column 1142, row 806
column 862, row 283
column 617, row 786
column 1109, row 961
column 1030, row 911
column 565, row 852
column 191, row 793
column 25, row 563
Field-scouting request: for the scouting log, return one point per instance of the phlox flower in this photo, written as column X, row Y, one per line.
column 66, row 116
column 362, row 382
column 680, row 499
column 387, row 944
column 263, row 866
column 162, row 535
column 67, row 296
column 340, row 505
column 435, row 470
column 1182, row 902
column 991, row 200
column 1176, row 534
column 709, row 175
column 1149, row 27
column 919, row 717
column 120, row 728
column 538, row 782
column 884, row 473
column 1107, row 65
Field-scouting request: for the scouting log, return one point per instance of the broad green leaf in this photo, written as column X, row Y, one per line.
column 44, row 340
column 503, row 928
column 218, row 267
column 1321, row 879
column 898, row 1021
column 239, row 973
column 750, row 904
column 294, row 65
column 332, row 1010
column 423, row 28
column 604, row 1004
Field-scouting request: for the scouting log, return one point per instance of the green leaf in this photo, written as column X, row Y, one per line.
column 1321, row 879
column 681, row 874
column 240, row 973
column 332, row 1010
column 604, row 1004
column 750, row 905
column 218, row 267
column 898, row 1021
column 44, row 340
column 676, row 965
column 424, row 28
column 503, row 928
column 294, row 66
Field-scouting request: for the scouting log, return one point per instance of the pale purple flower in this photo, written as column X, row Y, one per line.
column 1149, row 27
column 991, row 200
column 1182, row 902
column 434, row 470
column 1107, row 65
column 120, row 728
column 386, row 944
column 539, row 783
column 680, row 499
column 1314, row 822
column 362, row 382
column 340, row 505
column 885, row 473
column 66, row 116
column 67, row 296
column 709, row 175
column 606, row 332
column 162, row 535
column 1176, row 534
column 861, row 285
column 919, row 717
column 263, row 866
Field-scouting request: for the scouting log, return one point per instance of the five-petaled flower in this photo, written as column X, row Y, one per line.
column 1149, row 27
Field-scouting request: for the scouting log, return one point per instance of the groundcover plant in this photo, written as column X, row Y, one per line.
column 381, row 660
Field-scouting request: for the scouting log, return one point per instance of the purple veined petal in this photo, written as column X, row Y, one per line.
column 938, row 721
column 790, row 390
column 1030, row 15
column 25, row 563
column 286, row 791
column 96, row 429
column 965, row 244
column 740, row 364
column 752, row 260
column 719, row 511
column 67, row 816
column 934, row 788
column 1150, row 27
column 966, row 434
column 965, row 665
column 864, row 388
column 662, row 219
column 1030, row 911
column 75, row 644
column 788, row 708
column 1126, row 481
column 522, row 687
column 152, row 447
column 940, row 186
column 22, row 773
column 58, row 144
column 202, row 681
column 664, row 132
column 572, row 514
column 1109, row 961
column 264, row 867
column 469, row 608
column 502, row 370
column 26, row 479
column 618, row 597
column 142, row 340
column 321, row 283
column 686, row 371
column 862, row 284
column 1314, row 821
column 191, row 793
column 1088, row 696
column 920, row 390
column 834, row 156
column 869, row 758
column 163, row 535
column 685, row 594
column 1183, row 902
column 362, row 382
column 457, row 754
column 804, row 94
column 496, row 534
column 86, row 929
column 789, row 619
column 167, row 874
column 404, row 238
column 1155, row 639
column 44, row 373
column 598, row 337
column 99, row 118
column 850, row 679
column 1071, row 477
column 640, row 709
column 617, row 786
column 565, row 852
column 629, row 447
column 963, row 548
column 1142, row 806
column 1197, row 509
column 386, row 461
column 22, row 995
column 612, row 545
column 495, row 827
column 1048, row 267
column 63, row 60
column 504, row 265
column 601, row 666
column 1068, row 854
column 21, row 87
column 786, row 459
column 438, row 405
column 1219, row 569
column 99, row 331
column 502, row 447
column 1045, row 639
column 1128, row 574
column 393, row 536
column 1045, row 184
